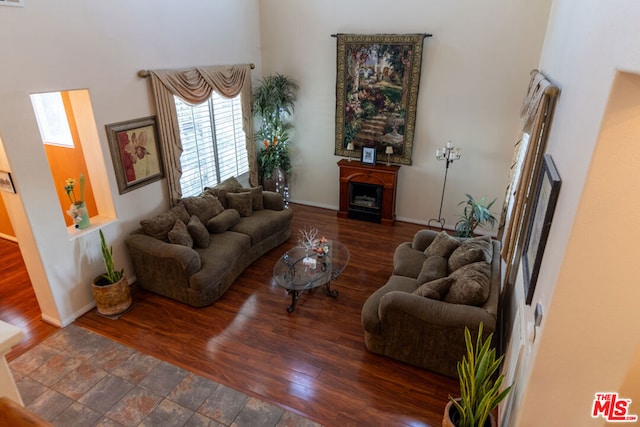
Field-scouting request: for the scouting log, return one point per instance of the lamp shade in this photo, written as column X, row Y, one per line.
column 388, row 150
column 350, row 146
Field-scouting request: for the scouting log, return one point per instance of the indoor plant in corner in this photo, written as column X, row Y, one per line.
column 110, row 290
column 476, row 213
column 480, row 390
column 273, row 103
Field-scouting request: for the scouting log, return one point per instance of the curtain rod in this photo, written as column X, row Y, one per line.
column 145, row 73
column 424, row 34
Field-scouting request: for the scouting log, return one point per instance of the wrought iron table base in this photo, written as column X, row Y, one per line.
column 333, row 293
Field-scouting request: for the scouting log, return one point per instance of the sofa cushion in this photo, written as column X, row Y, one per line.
column 471, row 284
column 224, row 221
column 471, row 250
column 204, row 206
column 229, row 185
column 256, row 197
column 159, row 225
column 240, row 202
column 263, row 223
column 180, row 235
column 219, row 259
column 434, row 267
column 180, row 211
column 435, row 289
column 198, row 232
column 443, row 245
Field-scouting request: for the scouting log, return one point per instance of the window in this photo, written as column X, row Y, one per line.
column 213, row 142
column 52, row 118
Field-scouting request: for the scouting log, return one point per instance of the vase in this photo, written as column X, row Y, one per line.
column 111, row 298
column 278, row 183
column 78, row 212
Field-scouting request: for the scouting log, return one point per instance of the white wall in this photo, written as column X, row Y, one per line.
column 589, row 340
column 98, row 46
column 474, row 76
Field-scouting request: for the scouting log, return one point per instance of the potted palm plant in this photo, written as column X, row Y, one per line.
column 480, row 389
column 476, row 213
column 110, row 290
column 273, row 104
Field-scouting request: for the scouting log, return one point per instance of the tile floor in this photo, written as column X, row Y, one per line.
column 79, row 378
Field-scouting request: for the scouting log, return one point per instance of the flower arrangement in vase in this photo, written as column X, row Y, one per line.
column 78, row 209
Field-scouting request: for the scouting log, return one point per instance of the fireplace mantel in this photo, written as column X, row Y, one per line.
column 356, row 172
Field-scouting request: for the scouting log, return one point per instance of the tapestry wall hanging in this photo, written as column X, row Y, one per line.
column 376, row 93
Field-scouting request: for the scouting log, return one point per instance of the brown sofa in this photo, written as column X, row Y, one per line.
column 193, row 252
column 440, row 284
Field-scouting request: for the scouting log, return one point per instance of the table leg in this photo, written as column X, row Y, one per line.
column 294, row 299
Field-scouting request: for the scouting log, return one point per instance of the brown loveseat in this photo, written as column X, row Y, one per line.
column 440, row 284
column 193, row 252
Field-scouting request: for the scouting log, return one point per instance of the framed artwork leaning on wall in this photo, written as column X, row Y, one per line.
column 546, row 196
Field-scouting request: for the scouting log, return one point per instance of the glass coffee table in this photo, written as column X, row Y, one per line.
column 300, row 270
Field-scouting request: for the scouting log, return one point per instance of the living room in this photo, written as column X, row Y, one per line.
column 474, row 76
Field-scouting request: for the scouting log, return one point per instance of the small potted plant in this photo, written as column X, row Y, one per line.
column 110, row 290
column 480, row 390
column 476, row 213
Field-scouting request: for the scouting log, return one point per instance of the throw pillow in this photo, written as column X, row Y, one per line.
column 198, row 232
column 240, row 202
column 159, row 225
column 434, row 267
column 180, row 235
column 224, row 221
column 471, row 250
column 256, row 197
column 435, row 289
column 204, row 206
column 181, row 212
column 229, row 185
column 443, row 245
column 471, row 284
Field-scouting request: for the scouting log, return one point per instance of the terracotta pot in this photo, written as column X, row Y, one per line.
column 450, row 417
column 111, row 298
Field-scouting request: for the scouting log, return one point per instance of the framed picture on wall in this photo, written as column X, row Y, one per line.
column 135, row 153
column 546, row 196
column 377, row 81
column 6, row 183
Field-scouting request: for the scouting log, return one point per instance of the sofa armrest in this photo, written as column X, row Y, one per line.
column 143, row 246
column 272, row 200
column 435, row 312
column 422, row 239
column 407, row 261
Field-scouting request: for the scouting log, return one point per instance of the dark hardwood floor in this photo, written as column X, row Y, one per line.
column 18, row 305
column 312, row 361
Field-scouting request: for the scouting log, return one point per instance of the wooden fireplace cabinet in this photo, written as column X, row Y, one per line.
column 379, row 174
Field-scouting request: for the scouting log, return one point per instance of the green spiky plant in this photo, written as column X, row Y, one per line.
column 112, row 275
column 273, row 102
column 479, row 387
column 476, row 213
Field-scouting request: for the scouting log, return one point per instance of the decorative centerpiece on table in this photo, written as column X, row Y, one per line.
column 78, row 209
column 308, row 239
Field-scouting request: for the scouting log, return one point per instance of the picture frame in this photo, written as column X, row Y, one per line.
column 377, row 80
column 135, row 152
column 6, row 182
column 368, row 155
column 546, row 197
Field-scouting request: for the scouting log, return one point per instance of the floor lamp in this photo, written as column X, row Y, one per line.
column 448, row 153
